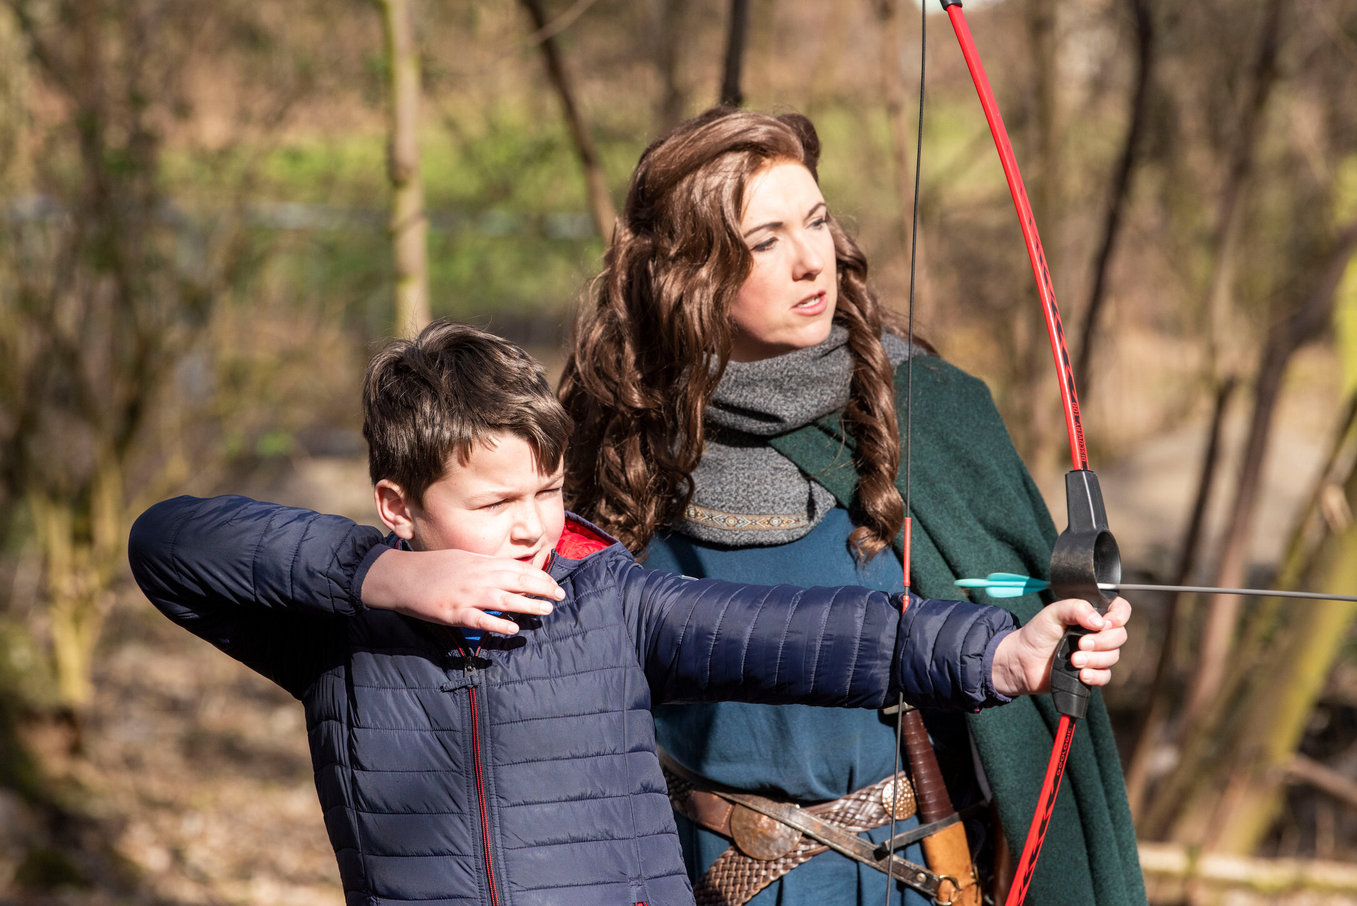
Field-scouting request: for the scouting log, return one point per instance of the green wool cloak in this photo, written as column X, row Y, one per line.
column 976, row 510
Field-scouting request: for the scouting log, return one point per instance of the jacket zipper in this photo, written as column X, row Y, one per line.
column 469, row 672
column 480, row 795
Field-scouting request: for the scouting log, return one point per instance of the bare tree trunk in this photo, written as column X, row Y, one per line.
column 409, row 223
column 1045, row 57
column 75, row 575
column 1225, row 733
column 1121, row 189
column 906, row 146
column 1263, row 74
column 1222, row 610
column 1153, row 717
column 1289, row 686
column 1034, row 363
column 103, row 308
column 596, row 184
column 731, row 93
column 1272, row 690
column 1310, row 646
column 893, row 93
column 665, row 31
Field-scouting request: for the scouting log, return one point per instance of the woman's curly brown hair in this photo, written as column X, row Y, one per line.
column 654, row 336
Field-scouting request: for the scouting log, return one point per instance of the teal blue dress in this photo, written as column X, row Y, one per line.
column 811, row 754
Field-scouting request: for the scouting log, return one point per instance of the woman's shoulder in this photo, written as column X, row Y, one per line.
column 935, row 368
column 934, row 381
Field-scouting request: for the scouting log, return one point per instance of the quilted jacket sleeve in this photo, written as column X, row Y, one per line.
column 849, row 647
column 265, row 583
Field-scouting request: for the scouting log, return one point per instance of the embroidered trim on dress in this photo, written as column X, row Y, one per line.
column 745, row 521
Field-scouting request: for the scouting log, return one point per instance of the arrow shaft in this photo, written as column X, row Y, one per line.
column 1006, row 585
column 1208, row 589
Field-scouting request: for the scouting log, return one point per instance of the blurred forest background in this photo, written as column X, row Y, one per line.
column 211, row 211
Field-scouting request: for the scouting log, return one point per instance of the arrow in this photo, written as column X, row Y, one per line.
column 1013, row 585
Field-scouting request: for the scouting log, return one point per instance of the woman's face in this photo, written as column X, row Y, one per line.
column 787, row 301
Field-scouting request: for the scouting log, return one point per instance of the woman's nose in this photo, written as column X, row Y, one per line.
column 809, row 259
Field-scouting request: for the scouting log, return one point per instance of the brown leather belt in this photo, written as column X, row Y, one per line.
column 771, row 837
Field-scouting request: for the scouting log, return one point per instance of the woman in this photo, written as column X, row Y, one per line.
column 737, row 391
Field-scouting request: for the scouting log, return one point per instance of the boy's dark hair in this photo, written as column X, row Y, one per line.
column 445, row 391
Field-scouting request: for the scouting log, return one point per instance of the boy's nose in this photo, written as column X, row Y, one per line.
column 528, row 525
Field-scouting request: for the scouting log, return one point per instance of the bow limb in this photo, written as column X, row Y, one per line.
column 1085, row 555
column 1027, row 220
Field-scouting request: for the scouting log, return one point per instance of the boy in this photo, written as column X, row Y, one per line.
column 459, row 768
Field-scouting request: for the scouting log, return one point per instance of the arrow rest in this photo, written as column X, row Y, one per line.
column 1084, row 560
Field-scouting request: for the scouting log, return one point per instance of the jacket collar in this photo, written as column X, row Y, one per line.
column 579, row 540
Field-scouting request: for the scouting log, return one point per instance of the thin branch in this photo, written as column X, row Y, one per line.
column 551, row 29
column 731, row 93
column 600, row 202
column 1323, row 778
column 1121, row 190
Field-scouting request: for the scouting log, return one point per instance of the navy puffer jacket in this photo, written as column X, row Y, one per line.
column 525, row 772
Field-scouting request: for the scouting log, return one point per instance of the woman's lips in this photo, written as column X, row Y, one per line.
column 811, row 305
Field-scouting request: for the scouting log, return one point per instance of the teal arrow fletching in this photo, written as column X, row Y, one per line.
column 1005, row 585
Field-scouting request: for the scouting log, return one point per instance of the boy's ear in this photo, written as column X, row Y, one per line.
column 394, row 508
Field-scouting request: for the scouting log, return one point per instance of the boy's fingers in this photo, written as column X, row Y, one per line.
column 1098, row 660
column 488, row 623
column 1078, row 612
column 528, row 580
column 1090, row 677
column 1119, row 612
column 1109, row 638
column 1082, row 613
column 531, row 591
column 513, row 603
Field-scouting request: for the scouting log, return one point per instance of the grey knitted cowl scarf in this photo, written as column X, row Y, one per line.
column 745, row 492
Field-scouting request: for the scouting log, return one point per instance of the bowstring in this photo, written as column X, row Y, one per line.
column 909, row 408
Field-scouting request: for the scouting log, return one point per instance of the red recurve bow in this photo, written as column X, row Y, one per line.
column 1085, row 558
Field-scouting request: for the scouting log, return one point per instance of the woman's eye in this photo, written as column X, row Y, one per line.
column 819, row 223
column 765, row 245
